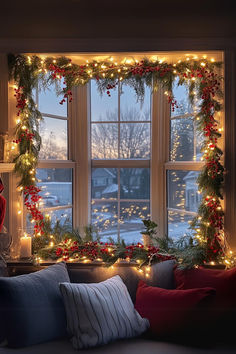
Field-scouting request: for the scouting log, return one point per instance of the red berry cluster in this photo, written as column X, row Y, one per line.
column 215, row 217
column 32, row 197
column 20, row 100
column 214, row 247
column 211, row 84
column 58, row 73
column 154, row 251
column 89, row 250
column 142, row 68
column 67, row 95
column 93, row 250
column 210, row 129
column 172, row 102
column 110, row 87
column 25, row 134
column 132, row 249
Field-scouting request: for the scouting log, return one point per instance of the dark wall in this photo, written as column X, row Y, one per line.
column 130, row 25
column 116, row 19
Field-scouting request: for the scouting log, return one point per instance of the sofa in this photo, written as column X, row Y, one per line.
column 161, row 275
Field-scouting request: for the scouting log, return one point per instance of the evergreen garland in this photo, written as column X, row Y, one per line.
column 201, row 78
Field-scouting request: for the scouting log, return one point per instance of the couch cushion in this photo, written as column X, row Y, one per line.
column 224, row 281
column 223, row 308
column 3, row 273
column 171, row 312
column 32, row 306
column 99, row 313
column 161, row 275
column 126, row 346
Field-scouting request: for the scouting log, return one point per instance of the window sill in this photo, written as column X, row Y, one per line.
column 27, row 266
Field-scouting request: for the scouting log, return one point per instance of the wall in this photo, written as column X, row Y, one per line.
column 104, row 26
column 120, row 19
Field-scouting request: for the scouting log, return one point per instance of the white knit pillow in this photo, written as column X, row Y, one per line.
column 99, row 313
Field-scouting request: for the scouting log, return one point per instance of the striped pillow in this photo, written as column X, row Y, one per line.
column 99, row 313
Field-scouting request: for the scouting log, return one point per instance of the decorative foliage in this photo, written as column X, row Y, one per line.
column 71, row 247
column 203, row 82
column 150, row 228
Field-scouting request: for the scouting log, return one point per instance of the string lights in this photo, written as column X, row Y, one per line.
column 198, row 74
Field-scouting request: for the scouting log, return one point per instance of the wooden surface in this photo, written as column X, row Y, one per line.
column 26, row 266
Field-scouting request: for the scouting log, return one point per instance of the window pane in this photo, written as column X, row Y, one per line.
column 183, row 190
column 64, row 216
column 54, row 139
column 181, row 95
column 105, row 218
column 55, row 185
column 131, row 215
column 185, row 140
column 178, row 224
column 199, row 144
column 104, row 183
column 104, row 141
column 130, row 109
column 134, row 140
column 135, row 183
column 103, row 108
column 182, row 139
column 49, row 102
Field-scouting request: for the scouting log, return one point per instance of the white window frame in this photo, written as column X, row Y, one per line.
column 79, row 149
column 175, row 165
column 79, row 130
column 57, row 164
column 121, row 163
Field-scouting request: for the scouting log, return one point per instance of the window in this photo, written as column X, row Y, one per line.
column 120, row 152
column 184, row 149
column 112, row 162
column 54, row 127
column 56, row 193
column 55, row 175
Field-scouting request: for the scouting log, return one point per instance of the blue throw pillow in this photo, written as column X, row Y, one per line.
column 3, row 273
column 32, row 307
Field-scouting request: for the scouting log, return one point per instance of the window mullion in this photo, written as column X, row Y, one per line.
column 184, row 165
column 119, row 90
column 80, row 154
column 118, row 163
column 159, row 146
column 118, row 206
column 56, row 164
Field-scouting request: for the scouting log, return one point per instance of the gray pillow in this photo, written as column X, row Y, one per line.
column 32, row 308
column 99, row 313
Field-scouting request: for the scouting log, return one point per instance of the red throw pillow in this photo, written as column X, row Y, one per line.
column 171, row 311
column 224, row 281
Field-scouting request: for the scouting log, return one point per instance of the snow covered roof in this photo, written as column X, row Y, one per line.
column 110, row 189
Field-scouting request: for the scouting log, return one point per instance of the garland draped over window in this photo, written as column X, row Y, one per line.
column 203, row 82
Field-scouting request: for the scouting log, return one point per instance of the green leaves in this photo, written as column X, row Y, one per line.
column 203, row 82
column 150, row 227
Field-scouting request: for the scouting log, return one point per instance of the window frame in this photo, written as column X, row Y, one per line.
column 79, row 154
column 229, row 151
column 118, row 162
column 57, row 164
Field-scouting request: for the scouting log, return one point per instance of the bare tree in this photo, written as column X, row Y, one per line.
column 126, row 140
column 53, row 147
